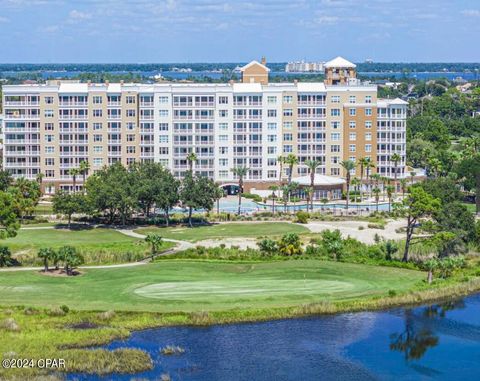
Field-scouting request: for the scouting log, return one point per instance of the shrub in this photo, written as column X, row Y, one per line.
column 200, row 318
column 290, row 244
column 65, row 308
column 30, row 311
column 268, row 246
column 107, row 315
column 10, row 324
column 5, row 257
column 302, row 217
column 57, row 311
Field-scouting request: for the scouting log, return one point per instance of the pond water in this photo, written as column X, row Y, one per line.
column 434, row 342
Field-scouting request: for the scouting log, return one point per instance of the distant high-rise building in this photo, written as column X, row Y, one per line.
column 51, row 128
column 304, row 67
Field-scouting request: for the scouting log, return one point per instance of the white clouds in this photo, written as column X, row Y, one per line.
column 4, row 19
column 471, row 12
column 77, row 16
column 50, row 29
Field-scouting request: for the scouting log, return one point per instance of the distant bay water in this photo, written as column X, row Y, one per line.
column 180, row 75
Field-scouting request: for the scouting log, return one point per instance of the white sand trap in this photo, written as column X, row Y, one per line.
column 250, row 288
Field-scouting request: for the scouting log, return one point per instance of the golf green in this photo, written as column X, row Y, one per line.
column 184, row 285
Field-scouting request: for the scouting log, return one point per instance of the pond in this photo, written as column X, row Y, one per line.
column 440, row 342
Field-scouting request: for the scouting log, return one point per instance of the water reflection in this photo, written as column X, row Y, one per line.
column 418, row 336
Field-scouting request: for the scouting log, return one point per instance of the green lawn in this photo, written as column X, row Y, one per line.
column 98, row 246
column 44, row 209
column 184, row 285
column 471, row 207
column 199, row 233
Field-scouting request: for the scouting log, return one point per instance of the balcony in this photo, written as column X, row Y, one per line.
column 204, row 104
column 311, row 103
column 73, row 117
column 22, row 103
column 146, row 104
column 114, row 103
column 72, row 104
column 22, row 116
column 146, row 117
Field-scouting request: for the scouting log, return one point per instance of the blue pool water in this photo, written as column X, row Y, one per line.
column 437, row 342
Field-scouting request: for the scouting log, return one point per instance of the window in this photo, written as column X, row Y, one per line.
column 271, row 113
column 97, row 161
column 223, row 138
column 97, row 113
column 288, row 99
column 271, row 100
column 288, row 137
column 49, row 138
column 223, row 113
column 223, row 150
column 97, row 149
column 368, row 111
column 163, row 100
column 130, row 138
column 368, row 99
column 352, row 148
column 97, row 126
column 97, row 99
column 368, row 136
column 368, row 148
column 271, row 126
column 335, row 159
column 223, row 174
column 272, row 174
column 287, row 125
column 335, row 125
column 49, row 113
column 49, row 173
column 352, row 111
column 272, row 150
column 163, row 150
column 335, row 112
column 48, row 126
column 130, row 113
column 130, row 126
column 335, row 148
column 368, row 124
column 163, row 126
column 335, row 98
column 335, row 171
column 287, row 149
column 288, row 112
column 335, row 136
column 271, row 161
column 223, row 162
column 48, row 100
column 223, row 126
column 271, row 138
column 163, row 138
column 130, row 99
column 97, row 138
column 223, row 100
column 49, row 161
column 163, row 113
column 352, row 99
column 49, row 149
column 352, row 124
column 130, row 149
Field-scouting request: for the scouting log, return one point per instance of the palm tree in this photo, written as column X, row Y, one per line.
column 309, row 193
column 369, row 166
column 376, row 192
column 376, row 179
column 273, row 188
column 281, row 161
column 355, row 182
column 349, row 166
column 285, row 192
column 395, row 159
column 39, row 178
column 74, row 172
column 241, row 172
column 312, row 167
column 290, row 160
column 84, row 168
column 403, row 185
column 46, row 253
column 364, row 163
column 390, row 190
column 191, row 158
column 412, row 177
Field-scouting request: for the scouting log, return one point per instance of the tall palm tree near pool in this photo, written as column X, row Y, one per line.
column 281, row 161
column 376, row 181
column 412, row 177
column 348, row 166
column 395, row 159
column 273, row 188
column 191, row 158
column 312, row 167
column 74, row 172
column 376, row 192
column 364, row 163
column 355, row 182
column 84, row 168
column 368, row 168
column 291, row 160
column 390, row 192
column 403, row 185
column 240, row 172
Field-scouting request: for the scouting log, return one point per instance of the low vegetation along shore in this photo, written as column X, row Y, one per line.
column 52, row 324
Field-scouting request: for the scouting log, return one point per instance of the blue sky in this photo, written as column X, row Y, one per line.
column 231, row 31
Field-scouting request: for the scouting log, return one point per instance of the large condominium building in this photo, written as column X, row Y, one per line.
column 304, row 67
column 51, row 128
